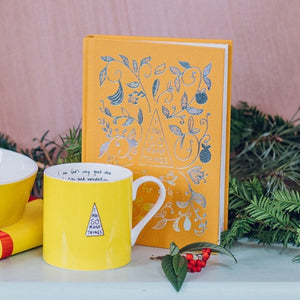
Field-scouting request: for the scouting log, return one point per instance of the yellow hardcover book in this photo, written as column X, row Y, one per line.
column 25, row 234
column 161, row 107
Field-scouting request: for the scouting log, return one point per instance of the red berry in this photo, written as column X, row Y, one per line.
column 190, row 266
column 198, row 262
column 192, row 262
column 206, row 250
column 205, row 256
column 203, row 263
column 194, row 269
column 189, row 256
column 198, row 268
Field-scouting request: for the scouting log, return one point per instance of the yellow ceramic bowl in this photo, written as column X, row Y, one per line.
column 17, row 175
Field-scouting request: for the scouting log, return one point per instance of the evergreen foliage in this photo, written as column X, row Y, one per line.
column 265, row 147
column 264, row 188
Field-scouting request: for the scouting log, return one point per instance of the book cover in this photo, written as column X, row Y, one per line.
column 161, row 107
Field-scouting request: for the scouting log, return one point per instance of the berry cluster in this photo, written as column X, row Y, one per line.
column 197, row 261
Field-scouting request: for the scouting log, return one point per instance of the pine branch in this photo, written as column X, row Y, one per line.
column 264, row 204
column 286, row 200
column 71, row 143
column 240, row 227
column 266, row 218
column 266, row 147
column 263, row 211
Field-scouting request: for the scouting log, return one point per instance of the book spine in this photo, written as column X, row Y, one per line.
column 227, row 166
column 85, row 93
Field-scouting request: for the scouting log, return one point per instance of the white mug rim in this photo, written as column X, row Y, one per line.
column 120, row 173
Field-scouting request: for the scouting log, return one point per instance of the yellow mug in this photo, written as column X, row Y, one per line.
column 88, row 215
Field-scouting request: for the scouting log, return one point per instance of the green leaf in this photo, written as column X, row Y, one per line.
column 179, row 263
column 175, row 268
column 173, row 249
column 296, row 259
column 199, row 246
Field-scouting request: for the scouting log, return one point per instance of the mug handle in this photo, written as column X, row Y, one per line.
column 158, row 204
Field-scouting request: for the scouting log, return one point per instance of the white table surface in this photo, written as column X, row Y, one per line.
column 262, row 272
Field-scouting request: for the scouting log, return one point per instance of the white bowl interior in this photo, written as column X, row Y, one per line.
column 15, row 166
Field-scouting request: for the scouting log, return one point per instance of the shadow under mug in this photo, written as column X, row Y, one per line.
column 87, row 221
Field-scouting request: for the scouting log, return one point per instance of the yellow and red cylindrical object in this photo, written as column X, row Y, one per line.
column 25, row 234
